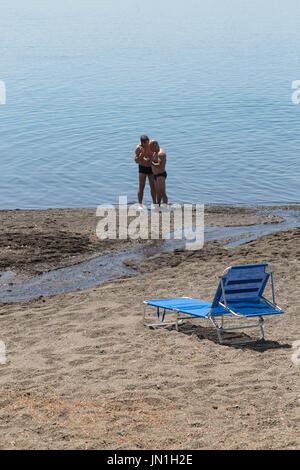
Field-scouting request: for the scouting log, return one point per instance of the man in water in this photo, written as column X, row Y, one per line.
column 142, row 157
column 158, row 164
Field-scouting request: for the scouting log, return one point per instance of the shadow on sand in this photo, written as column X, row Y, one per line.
column 211, row 334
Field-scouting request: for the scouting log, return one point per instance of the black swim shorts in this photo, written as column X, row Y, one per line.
column 161, row 174
column 147, row 170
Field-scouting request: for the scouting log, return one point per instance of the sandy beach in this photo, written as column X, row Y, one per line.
column 82, row 372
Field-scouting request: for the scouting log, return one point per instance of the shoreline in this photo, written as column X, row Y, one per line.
column 284, row 205
column 45, row 253
column 36, row 241
column 58, row 251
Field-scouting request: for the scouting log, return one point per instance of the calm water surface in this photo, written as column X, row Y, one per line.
column 210, row 80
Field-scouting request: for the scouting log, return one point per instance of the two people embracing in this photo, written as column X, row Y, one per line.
column 152, row 163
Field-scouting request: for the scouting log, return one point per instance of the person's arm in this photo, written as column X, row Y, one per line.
column 139, row 155
column 159, row 160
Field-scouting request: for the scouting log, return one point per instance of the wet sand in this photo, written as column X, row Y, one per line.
column 82, row 372
column 36, row 241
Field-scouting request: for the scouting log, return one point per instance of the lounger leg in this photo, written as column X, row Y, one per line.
column 176, row 319
column 175, row 322
column 261, row 324
column 220, row 330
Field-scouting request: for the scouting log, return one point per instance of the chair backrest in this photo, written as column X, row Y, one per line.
column 242, row 283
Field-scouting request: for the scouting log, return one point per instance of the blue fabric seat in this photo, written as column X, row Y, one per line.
column 239, row 294
column 196, row 307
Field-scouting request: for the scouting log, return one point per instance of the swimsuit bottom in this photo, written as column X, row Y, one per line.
column 147, row 170
column 164, row 174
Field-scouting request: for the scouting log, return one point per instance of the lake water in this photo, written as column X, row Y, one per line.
column 210, row 80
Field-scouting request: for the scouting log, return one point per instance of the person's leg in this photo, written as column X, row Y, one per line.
column 142, row 182
column 161, row 190
column 152, row 188
column 158, row 190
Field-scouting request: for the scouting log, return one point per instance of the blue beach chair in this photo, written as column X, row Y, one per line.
column 239, row 295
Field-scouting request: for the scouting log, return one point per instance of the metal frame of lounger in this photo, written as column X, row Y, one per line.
column 179, row 316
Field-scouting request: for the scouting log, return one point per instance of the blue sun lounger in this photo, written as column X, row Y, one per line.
column 239, row 295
